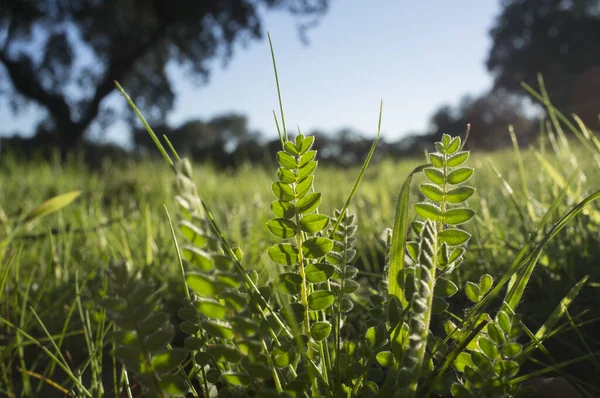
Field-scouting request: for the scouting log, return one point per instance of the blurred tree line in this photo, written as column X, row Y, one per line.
column 65, row 55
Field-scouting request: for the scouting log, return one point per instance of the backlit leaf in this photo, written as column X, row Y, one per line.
column 429, row 211
column 320, row 330
column 307, row 169
column 318, row 273
column 457, row 159
column 223, row 353
column 290, row 148
column 174, row 385
column 320, row 299
column 459, row 195
column 236, row 379
column 306, row 143
column 460, row 175
column 51, row 205
column 453, row 237
column 307, row 157
column 166, row 361
column 435, row 175
column 308, row 203
column 316, row 247
column 211, row 308
column 445, row 288
column 289, row 283
column 304, row 186
column 432, row 192
column 283, row 191
column 203, row 285
column 283, row 253
column 286, row 160
column 436, row 159
column 458, row 216
column 312, row 223
column 286, row 176
column 283, row 209
column 472, row 291
column 282, row 228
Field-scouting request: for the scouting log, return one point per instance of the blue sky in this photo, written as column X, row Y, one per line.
column 415, row 55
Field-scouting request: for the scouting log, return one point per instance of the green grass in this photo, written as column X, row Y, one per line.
column 185, row 275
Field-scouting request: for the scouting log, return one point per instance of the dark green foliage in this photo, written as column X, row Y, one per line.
column 142, row 334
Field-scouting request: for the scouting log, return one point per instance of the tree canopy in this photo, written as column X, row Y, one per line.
column 65, row 55
column 557, row 38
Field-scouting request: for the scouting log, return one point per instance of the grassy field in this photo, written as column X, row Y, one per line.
column 55, row 268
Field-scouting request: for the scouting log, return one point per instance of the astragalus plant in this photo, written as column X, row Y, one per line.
column 277, row 328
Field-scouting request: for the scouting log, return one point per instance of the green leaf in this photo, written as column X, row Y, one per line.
column 283, row 253
column 283, row 209
column 203, row 285
column 166, row 361
column 159, row 338
column 511, row 350
column 174, row 385
column 312, row 223
column 202, row 358
column 304, row 186
column 457, row 159
column 412, row 248
column 453, row 237
column 286, row 176
column 286, row 160
column 320, row 330
column 307, row 143
column 299, row 139
column 320, row 299
column 229, row 279
column 192, row 233
column 307, row 169
column 318, row 273
column 236, row 379
column 290, row 148
column 460, row 391
column 507, row 369
column 282, row 228
column 222, row 353
column 282, row 357
column 385, row 358
column 189, row 327
column 316, row 247
column 432, row 192
column 398, row 244
column 453, row 145
column 307, row 157
column 489, row 348
column 439, row 305
column 51, row 205
column 211, row 308
column 445, row 288
column 460, row 175
column 217, row 329
column 435, row 175
column 472, row 291
column 504, row 321
column 458, row 216
column 481, row 361
column 114, row 304
column 289, row 283
column 193, row 343
column 495, row 333
column 282, row 191
column 463, row 359
column 308, row 203
column 485, row 283
column 459, row 195
column 197, row 257
column 446, row 138
column 428, row 211
column 436, row 159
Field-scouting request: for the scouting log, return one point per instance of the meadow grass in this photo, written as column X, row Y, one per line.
column 400, row 278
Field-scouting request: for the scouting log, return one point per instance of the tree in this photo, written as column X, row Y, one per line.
column 489, row 115
column 66, row 55
column 557, row 38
